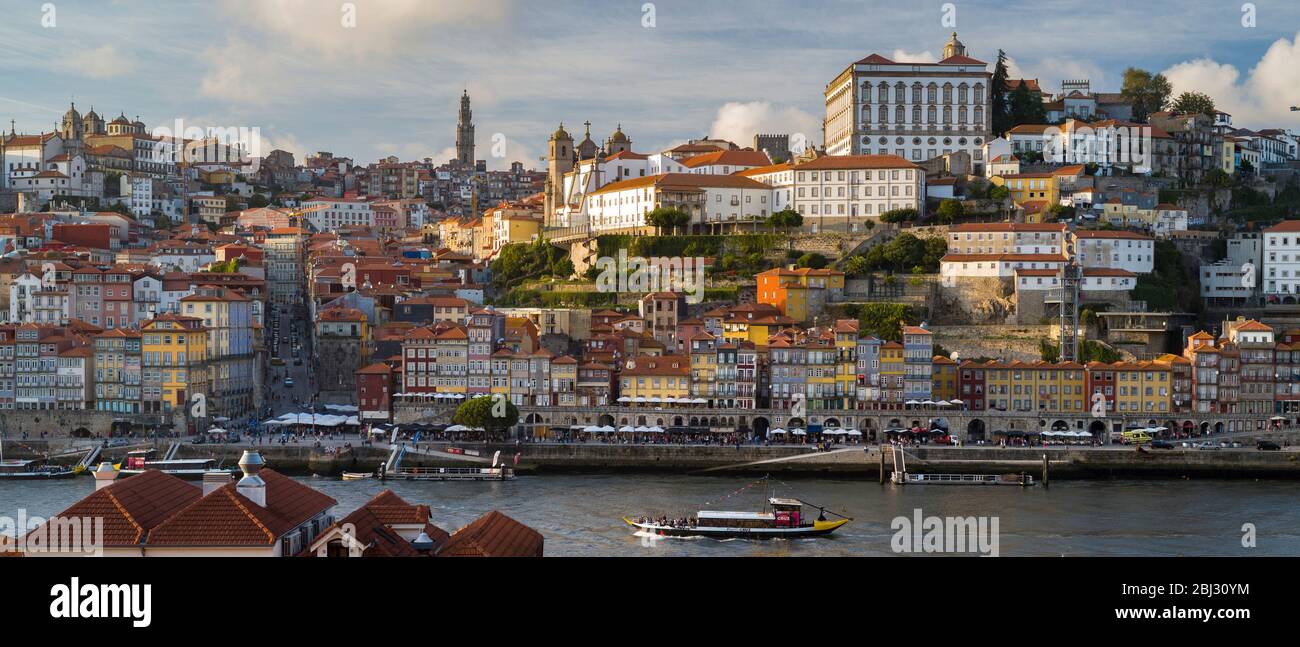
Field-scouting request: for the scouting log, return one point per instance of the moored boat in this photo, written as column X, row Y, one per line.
column 32, row 469
column 782, row 519
column 357, row 476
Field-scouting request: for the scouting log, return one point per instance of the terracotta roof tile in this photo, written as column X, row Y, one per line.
column 494, row 535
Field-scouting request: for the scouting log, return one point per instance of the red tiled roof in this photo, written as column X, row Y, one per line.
column 227, row 518
column 1284, row 227
column 132, row 507
column 494, row 535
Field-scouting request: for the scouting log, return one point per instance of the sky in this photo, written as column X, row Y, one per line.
column 372, row 78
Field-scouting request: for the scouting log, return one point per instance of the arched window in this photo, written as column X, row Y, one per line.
column 947, row 114
column 900, row 92
column 916, row 114
column 979, row 115
column 979, row 93
column 883, row 94
column 916, row 92
column 900, row 115
column 884, row 115
column 947, row 93
column 934, row 93
column 931, row 116
column 866, row 92
column 961, row 115
column 961, row 93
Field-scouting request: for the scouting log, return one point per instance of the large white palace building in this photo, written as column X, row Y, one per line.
column 917, row 111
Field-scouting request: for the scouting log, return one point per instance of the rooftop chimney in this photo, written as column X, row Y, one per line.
column 213, row 481
column 252, row 485
column 105, row 474
column 423, row 542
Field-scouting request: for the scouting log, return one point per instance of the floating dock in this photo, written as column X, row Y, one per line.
column 449, row 474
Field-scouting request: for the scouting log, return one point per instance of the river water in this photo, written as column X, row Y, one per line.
column 580, row 515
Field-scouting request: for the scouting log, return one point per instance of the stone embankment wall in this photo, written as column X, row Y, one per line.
column 1006, row 342
column 61, row 423
column 983, row 300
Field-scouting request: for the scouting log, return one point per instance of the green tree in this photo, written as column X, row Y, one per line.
column 812, row 260
column 856, row 265
column 1192, row 103
column 998, row 106
column 1146, row 92
column 898, row 215
column 884, row 320
column 257, row 201
column 999, row 193
column 487, row 412
column 785, row 219
column 667, row 218
column 950, row 210
column 1218, row 178
column 1027, row 107
column 1060, row 212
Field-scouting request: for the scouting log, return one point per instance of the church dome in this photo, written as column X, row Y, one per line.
column 72, row 114
column 121, row 120
column 91, row 116
column 561, row 133
column 618, row 137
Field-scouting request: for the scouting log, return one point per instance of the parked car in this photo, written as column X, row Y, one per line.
column 1207, row 445
column 1267, row 446
column 1161, row 444
column 288, row 381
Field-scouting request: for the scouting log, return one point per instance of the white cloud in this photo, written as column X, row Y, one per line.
column 739, row 122
column 1261, row 99
column 100, row 63
column 903, row 56
column 360, row 27
column 1051, row 71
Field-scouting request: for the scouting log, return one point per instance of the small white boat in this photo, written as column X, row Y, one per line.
column 357, row 476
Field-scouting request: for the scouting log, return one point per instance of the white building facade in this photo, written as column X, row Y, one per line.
column 917, row 111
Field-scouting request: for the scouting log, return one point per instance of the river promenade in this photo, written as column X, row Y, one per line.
column 332, row 457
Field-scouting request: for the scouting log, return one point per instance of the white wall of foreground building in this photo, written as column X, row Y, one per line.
column 1115, row 250
column 917, row 111
column 830, row 190
column 711, row 200
column 1281, row 252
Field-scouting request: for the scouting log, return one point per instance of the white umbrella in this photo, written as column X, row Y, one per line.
column 592, row 429
column 639, row 400
column 700, row 401
column 641, row 429
column 654, row 400
column 943, row 403
column 458, row 428
column 625, row 399
column 799, row 432
column 626, row 429
column 854, row 432
column 955, row 401
column 778, row 430
column 912, row 402
column 655, row 429
column 606, row 429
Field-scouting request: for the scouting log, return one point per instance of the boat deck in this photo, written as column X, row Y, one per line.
column 451, row 474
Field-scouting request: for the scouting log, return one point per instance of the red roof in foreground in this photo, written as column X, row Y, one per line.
column 227, row 518
column 373, row 525
column 494, row 535
column 132, row 507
